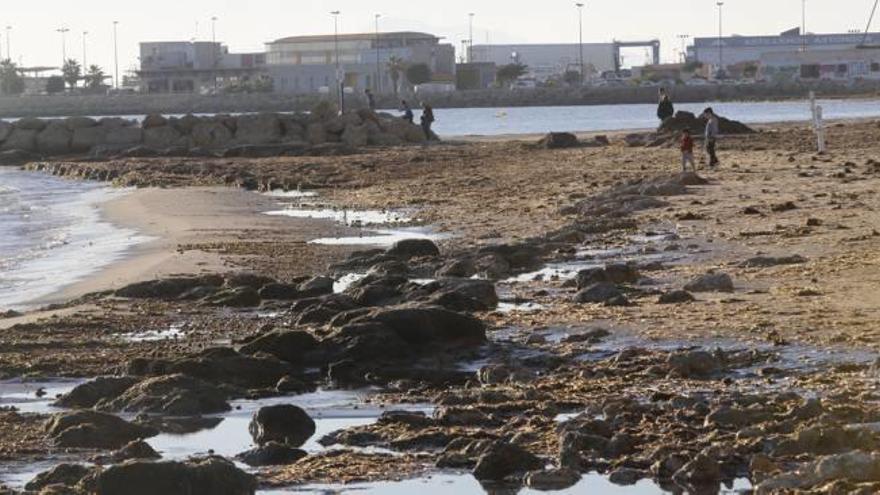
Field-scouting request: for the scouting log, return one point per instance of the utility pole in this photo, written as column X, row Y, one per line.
column 85, row 62
column 340, row 84
column 470, row 51
column 63, row 32
column 804, row 25
column 378, row 83
column 116, row 54
column 720, row 39
column 214, row 50
column 684, row 38
column 580, row 8
column 8, row 45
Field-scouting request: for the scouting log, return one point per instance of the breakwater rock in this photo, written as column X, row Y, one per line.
column 323, row 131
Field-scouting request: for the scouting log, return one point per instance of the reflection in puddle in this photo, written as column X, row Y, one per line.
column 345, row 217
column 381, row 238
column 22, row 395
column 465, row 484
column 173, row 332
column 527, row 307
column 281, row 193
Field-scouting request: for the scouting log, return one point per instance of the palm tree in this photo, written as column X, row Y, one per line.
column 396, row 66
column 95, row 77
column 71, row 72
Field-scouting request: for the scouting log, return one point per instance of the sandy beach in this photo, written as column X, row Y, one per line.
column 590, row 309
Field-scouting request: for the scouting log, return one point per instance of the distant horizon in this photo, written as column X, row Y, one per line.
column 36, row 42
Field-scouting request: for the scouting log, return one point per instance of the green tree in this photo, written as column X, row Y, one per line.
column 54, row 85
column 11, row 82
column 508, row 74
column 71, row 72
column 95, row 77
column 419, row 74
column 396, row 66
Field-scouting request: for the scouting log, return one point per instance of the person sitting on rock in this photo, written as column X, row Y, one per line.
column 427, row 120
column 407, row 111
column 665, row 109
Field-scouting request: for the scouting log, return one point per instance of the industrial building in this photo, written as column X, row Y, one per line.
column 187, row 67
column 788, row 49
column 306, row 64
column 828, row 65
column 547, row 61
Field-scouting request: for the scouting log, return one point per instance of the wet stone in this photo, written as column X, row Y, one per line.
column 711, row 282
column 271, row 454
column 286, row 424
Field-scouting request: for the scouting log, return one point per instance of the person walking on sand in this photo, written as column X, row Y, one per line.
column 427, row 120
column 687, row 151
column 407, row 111
column 665, row 109
column 711, row 136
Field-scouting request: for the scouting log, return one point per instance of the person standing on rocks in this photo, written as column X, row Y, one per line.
column 665, row 109
column 427, row 119
column 711, row 136
column 687, row 151
column 371, row 100
column 407, row 111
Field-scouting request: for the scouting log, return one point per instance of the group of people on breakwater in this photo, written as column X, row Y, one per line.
column 666, row 110
column 427, row 118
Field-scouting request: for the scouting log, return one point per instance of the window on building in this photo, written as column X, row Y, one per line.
column 875, row 67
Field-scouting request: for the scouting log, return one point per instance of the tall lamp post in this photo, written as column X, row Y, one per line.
column 720, row 39
column 63, row 32
column 803, row 25
column 214, row 50
column 339, row 81
column 684, row 38
column 580, row 8
column 8, row 49
column 378, row 83
column 116, row 54
column 470, row 51
column 85, row 60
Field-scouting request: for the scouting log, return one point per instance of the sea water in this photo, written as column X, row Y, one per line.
column 52, row 235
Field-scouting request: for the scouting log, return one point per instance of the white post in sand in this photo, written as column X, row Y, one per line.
column 820, row 129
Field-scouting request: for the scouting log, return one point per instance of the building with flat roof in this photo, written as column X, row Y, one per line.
column 828, row 65
column 306, row 64
column 187, row 67
column 734, row 50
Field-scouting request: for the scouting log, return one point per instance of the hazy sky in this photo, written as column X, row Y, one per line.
column 246, row 24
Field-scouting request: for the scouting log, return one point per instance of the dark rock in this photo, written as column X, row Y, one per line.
column 62, row 474
column 701, row 471
column 424, row 327
column 286, row 424
column 168, row 289
column 711, row 282
column 365, row 342
column 503, row 459
column 175, row 395
column 552, row 480
column 457, row 294
column 94, row 430
column 16, row 157
column 271, row 454
column 614, row 273
column 693, row 364
column 598, row 293
column 88, row 394
column 676, row 297
column 250, row 280
column 289, row 346
column 136, row 450
column 696, row 125
column 557, row 140
column 209, row 476
column 236, row 297
column 766, row 261
column 459, row 268
column 317, row 286
column 281, row 292
column 224, row 365
column 320, row 310
column 627, row 476
column 414, row 248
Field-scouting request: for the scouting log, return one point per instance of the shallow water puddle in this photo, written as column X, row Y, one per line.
column 524, row 307
column 331, row 410
column 382, row 237
column 294, row 193
column 351, row 218
column 22, row 395
column 465, row 484
column 171, row 333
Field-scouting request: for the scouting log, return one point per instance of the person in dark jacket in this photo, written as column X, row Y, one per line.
column 407, row 111
column 371, row 100
column 427, row 119
column 665, row 109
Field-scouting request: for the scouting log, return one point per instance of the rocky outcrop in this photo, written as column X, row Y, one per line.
column 212, row 475
column 286, row 424
column 697, row 125
column 175, row 395
column 261, row 134
column 94, row 430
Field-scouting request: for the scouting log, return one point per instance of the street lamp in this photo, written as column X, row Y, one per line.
column 720, row 40
column 378, row 58
column 470, row 52
column 804, row 25
column 116, row 54
column 580, row 8
column 85, row 63
column 63, row 32
column 339, row 82
column 684, row 38
column 214, row 50
column 8, row 50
